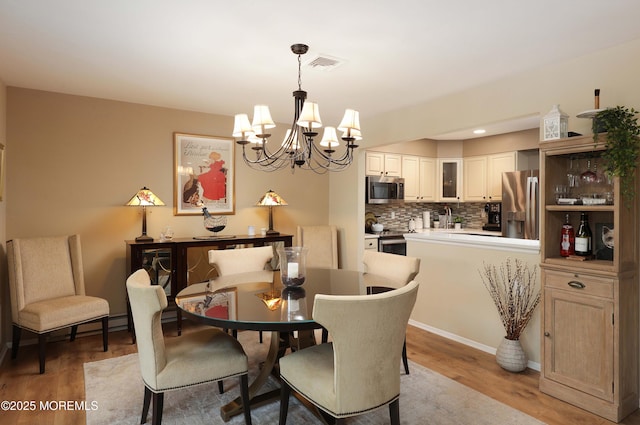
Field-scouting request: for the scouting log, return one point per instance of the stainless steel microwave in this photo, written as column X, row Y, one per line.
column 385, row 190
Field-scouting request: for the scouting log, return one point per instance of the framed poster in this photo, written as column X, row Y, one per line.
column 203, row 174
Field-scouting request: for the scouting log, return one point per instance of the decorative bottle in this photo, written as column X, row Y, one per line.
column 583, row 237
column 567, row 239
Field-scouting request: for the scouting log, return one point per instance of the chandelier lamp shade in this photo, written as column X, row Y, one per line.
column 298, row 148
column 144, row 198
column 271, row 199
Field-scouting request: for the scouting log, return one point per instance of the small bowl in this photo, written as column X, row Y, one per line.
column 377, row 227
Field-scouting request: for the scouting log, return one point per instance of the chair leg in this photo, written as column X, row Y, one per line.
column 15, row 342
column 74, row 332
column 394, row 412
column 145, row 405
column 179, row 320
column 404, row 357
column 260, row 337
column 42, row 341
column 158, row 402
column 105, row 333
column 221, row 387
column 246, row 402
column 325, row 336
column 285, row 391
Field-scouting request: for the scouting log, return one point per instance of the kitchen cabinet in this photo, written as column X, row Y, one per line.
column 589, row 308
column 449, row 179
column 371, row 243
column 475, row 178
column 419, row 175
column 483, row 176
column 496, row 165
column 383, row 164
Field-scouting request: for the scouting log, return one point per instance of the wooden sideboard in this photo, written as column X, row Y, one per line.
column 167, row 262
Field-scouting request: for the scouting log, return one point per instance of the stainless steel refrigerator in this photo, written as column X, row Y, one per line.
column 520, row 209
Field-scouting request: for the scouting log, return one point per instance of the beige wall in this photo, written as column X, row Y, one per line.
column 75, row 161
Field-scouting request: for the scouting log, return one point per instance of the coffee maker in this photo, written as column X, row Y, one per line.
column 494, row 216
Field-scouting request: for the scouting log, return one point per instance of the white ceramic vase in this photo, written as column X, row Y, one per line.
column 510, row 355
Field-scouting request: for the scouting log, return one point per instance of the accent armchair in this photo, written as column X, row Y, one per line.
column 205, row 355
column 46, row 283
column 358, row 371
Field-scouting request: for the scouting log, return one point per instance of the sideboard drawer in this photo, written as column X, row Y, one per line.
column 585, row 284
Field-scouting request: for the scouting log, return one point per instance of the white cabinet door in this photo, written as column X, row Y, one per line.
column 392, row 165
column 450, row 180
column 475, row 178
column 496, row 165
column 411, row 175
column 383, row 164
column 428, row 172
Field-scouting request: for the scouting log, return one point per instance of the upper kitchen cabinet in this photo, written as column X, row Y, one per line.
column 450, row 180
column 496, row 165
column 475, row 178
column 419, row 175
column 483, row 176
column 383, row 164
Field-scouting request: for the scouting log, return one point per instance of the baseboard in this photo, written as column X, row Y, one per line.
column 465, row 341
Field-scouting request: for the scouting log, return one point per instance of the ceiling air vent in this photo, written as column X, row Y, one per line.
column 324, row 63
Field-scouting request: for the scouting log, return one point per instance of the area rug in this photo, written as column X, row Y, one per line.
column 116, row 388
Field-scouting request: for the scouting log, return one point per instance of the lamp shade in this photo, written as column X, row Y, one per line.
column 145, row 198
column 262, row 118
column 310, row 116
column 241, row 126
column 351, row 120
column 271, row 199
column 329, row 138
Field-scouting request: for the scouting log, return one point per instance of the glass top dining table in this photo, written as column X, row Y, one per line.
column 258, row 301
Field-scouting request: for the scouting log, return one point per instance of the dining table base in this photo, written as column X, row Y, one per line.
column 280, row 342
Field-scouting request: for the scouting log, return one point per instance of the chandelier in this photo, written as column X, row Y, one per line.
column 298, row 148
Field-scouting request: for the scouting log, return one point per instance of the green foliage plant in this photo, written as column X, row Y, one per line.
column 622, row 145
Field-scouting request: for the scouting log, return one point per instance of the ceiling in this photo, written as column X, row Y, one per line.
column 223, row 57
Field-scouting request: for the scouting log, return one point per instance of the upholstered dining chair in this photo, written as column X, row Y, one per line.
column 398, row 269
column 322, row 242
column 46, row 283
column 205, row 355
column 242, row 260
column 358, row 371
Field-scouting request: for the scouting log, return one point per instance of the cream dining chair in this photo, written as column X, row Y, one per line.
column 322, row 242
column 205, row 355
column 398, row 271
column 242, row 260
column 46, row 285
column 358, row 371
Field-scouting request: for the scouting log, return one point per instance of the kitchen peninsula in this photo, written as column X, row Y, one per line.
column 453, row 301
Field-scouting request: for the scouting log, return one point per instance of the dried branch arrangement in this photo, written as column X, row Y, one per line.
column 514, row 294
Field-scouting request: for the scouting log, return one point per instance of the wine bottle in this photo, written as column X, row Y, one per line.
column 567, row 239
column 583, row 237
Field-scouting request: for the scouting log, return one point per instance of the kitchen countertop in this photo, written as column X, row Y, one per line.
column 474, row 237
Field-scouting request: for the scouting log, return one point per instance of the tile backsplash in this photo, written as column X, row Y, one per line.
column 472, row 213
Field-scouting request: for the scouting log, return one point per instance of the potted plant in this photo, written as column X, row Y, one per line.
column 457, row 222
column 622, row 145
column 514, row 293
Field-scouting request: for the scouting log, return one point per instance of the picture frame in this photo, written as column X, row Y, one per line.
column 604, row 241
column 203, row 174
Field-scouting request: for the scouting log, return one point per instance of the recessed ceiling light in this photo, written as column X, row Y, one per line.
column 479, row 131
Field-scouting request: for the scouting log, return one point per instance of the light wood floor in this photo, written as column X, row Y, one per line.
column 64, row 378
